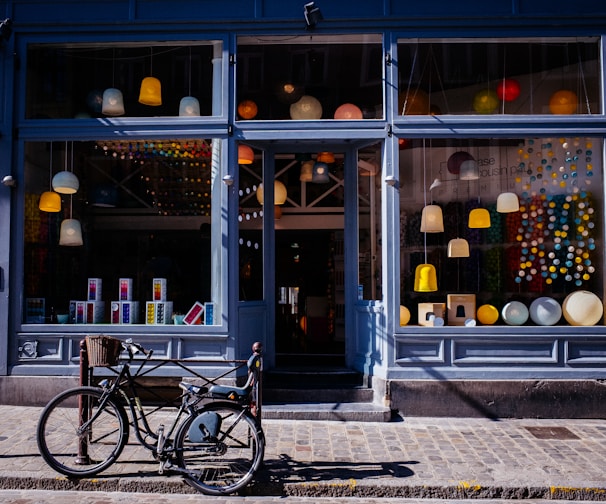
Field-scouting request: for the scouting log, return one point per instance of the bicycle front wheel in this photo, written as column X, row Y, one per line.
column 80, row 433
column 222, row 456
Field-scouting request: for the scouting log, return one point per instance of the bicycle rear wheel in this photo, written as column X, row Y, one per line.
column 226, row 460
column 81, row 452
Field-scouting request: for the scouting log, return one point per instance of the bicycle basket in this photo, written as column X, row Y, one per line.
column 103, row 351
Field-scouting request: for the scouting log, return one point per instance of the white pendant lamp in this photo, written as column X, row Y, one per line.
column 113, row 102
column 65, row 182
column 189, row 106
column 508, row 202
column 71, row 233
column 432, row 220
column 458, row 247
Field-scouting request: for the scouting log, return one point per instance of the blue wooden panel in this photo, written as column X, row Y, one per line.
column 200, row 10
column 331, row 10
column 414, row 351
column 586, row 352
column 73, row 11
column 549, row 7
column 447, row 8
column 509, row 351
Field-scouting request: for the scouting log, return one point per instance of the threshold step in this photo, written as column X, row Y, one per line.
column 353, row 412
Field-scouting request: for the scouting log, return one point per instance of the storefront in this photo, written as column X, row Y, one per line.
column 373, row 188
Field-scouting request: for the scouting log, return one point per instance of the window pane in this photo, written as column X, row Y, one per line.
column 70, row 81
column 554, row 76
column 320, row 77
column 144, row 209
column 550, row 247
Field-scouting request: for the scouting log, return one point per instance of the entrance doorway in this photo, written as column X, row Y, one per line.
column 309, row 278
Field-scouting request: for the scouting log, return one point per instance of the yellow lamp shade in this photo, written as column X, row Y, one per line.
column 426, row 279
column 508, row 202
column 582, row 308
column 280, row 193
column 458, row 247
column 306, row 108
column 563, row 102
column 50, row 201
column 70, row 234
column 348, row 111
column 487, row 314
column 307, row 170
column 247, row 109
column 404, row 315
column 65, row 182
column 479, row 218
column 151, row 92
column 432, row 220
column 245, row 154
column 485, row 101
column 325, row 157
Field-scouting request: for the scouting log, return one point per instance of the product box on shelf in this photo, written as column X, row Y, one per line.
column 126, row 289
column 209, row 313
column 95, row 289
column 194, row 314
column 86, row 312
column 460, row 307
column 125, row 312
column 158, row 312
column 159, row 289
column 426, row 310
column 34, row 310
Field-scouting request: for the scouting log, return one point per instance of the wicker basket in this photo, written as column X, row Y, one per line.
column 103, row 351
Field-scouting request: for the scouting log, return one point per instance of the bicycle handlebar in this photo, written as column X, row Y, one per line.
column 133, row 348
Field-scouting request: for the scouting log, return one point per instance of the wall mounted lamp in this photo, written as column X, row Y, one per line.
column 390, row 180
column 313, row 15
column 9, row 181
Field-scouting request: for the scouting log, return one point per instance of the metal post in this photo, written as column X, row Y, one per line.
column 83, row 405
column 257, row 348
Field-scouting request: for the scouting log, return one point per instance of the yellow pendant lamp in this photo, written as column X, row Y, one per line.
column 426, row 279
column 151, row 90
column 50, row 201
column 479, row 218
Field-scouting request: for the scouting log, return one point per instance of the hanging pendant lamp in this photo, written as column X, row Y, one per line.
column 50, row 201
column 469, row 170
column 320, row 173
column 508, row 202
column 71, row 233
column 479, row 218
column 151, row 92
column 307, row 170
column 113, row 102
column 432, row 220
column 245, row 154
column 458, row 247
column 426, row 279
column 189, row 106
column 65, row 182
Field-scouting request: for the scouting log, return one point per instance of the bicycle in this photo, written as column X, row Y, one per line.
column 215, row 441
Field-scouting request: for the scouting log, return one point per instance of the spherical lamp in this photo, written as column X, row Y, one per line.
column 404, row 315
column 487, row 314
column 545, row 311
column 563, row 102
column 582, row 308
column 151, row 92
column 515, row 313
column 485, row 101
column 508, row 90
column 416, row 102
column 348, row 111
column 247, row 109
column 307, row 108
column 65, row 182
column 113, row 102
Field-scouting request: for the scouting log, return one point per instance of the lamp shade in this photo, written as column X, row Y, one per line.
column 280, row 193
column 348, row 111
column 325, row 157
column 458, row 247
column 247, row 109
column 469, row 170
column 563, row 101
column 307, row 170
column 306, row 108
column 65, row 182
column 245, row 154
column 151, row 92
column 50, row 201
column 508, row 202
column 113, row 102
column 431, row 219
column 426, row 279
column 320, row 173
column 479, row 218
column 189, row 106
column 71, row 233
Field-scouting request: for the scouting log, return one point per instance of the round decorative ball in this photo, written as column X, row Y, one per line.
column 515, row 313
column 416, row 103
column 307, row 107
column 582, row 308
column 487, row 314
column 545, row 311
column 485, row 102
column 348, row 111
column 247, row 109
column 563, row 102
column 456, row 160
column 508, row 90
column 404, row 315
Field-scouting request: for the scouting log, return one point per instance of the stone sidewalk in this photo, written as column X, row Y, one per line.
column 447, row 458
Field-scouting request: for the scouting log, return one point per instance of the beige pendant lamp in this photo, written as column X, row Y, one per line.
column 70, row 234
column 432, row 219
column 151, row 89
column 50, row 201
column 458, row 247
column 280, row 195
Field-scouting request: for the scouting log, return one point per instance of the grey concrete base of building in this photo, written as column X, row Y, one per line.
column 500, row 399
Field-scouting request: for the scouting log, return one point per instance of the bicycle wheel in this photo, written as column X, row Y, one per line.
column 224, row 457
column 75, row 453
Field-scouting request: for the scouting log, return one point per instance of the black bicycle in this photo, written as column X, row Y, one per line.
column 215, row 440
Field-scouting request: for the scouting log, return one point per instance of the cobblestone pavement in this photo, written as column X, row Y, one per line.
column 452, row 458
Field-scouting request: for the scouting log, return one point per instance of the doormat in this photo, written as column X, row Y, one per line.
column 551, row 433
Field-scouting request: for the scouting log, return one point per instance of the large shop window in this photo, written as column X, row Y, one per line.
column 507, row 76
column 310, row 77
column 135, row 80
column 122, row 232
column 504, row 231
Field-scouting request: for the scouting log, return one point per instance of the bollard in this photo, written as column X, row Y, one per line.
column 83, row 457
